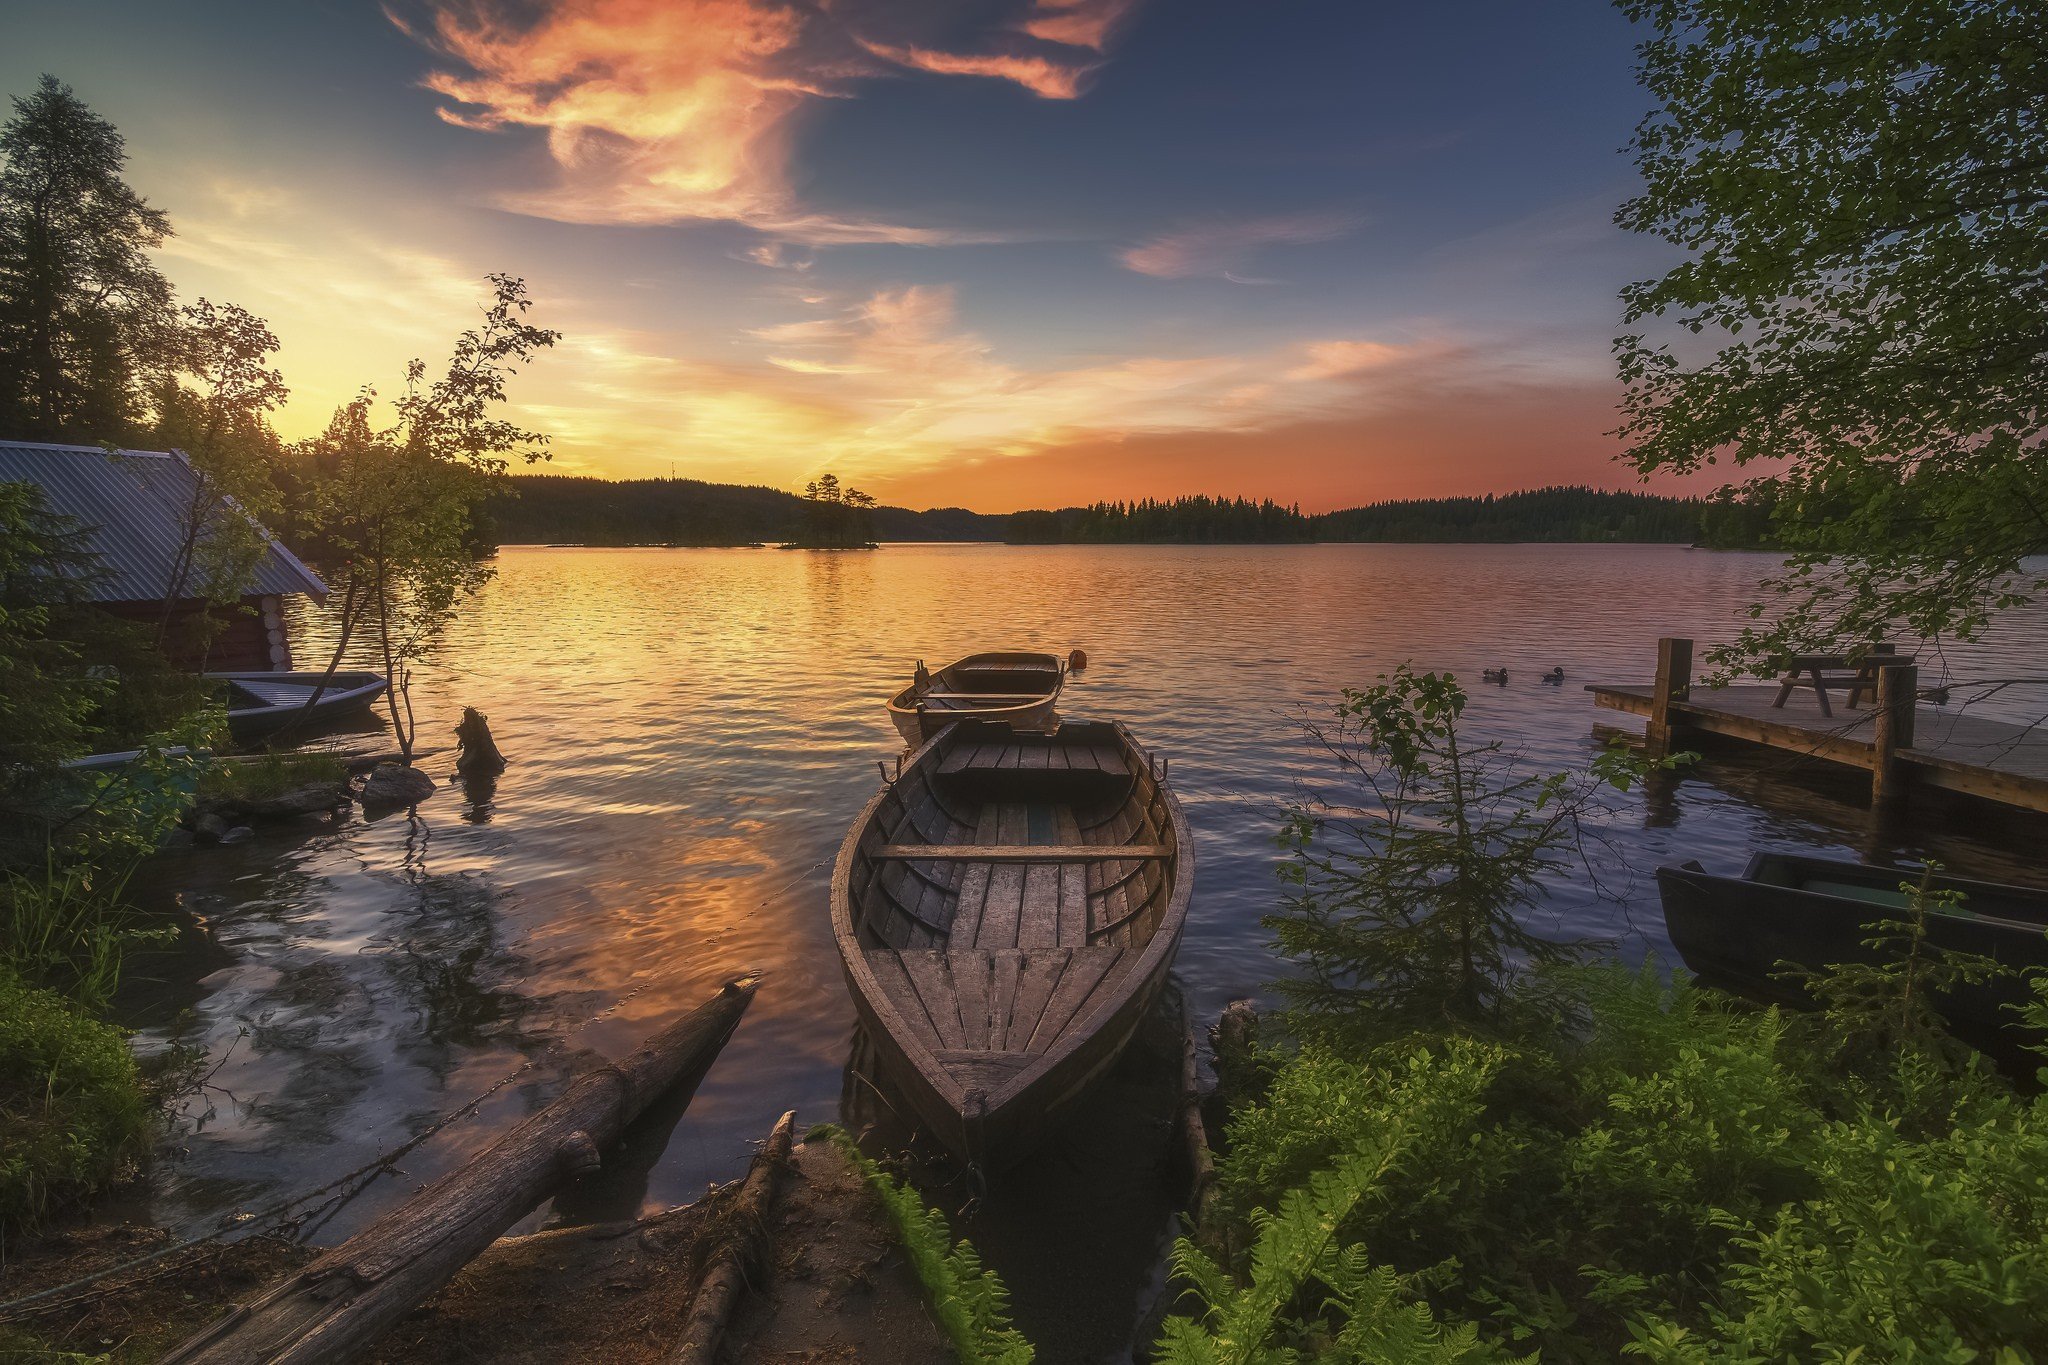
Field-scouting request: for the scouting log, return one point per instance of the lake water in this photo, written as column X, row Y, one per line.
column 690, row 732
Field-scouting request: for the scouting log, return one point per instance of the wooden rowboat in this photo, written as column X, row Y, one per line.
column 1006, row 910
column 263, row 703
column 1741, row 933
column 1011, row 686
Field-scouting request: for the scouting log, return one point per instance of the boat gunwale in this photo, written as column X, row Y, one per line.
column 870, row 996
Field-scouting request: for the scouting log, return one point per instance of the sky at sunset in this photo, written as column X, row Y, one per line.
column 986, row 254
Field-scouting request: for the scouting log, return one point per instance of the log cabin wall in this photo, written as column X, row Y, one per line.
column 248, row 637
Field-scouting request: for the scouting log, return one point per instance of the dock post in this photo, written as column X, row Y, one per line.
column 1674, row 684
column 1891, row 729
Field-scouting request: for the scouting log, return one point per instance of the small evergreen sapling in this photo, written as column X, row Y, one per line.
column 1401, row 885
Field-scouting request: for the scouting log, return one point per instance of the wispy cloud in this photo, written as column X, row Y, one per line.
column 1214, row 248
column 1078, row 23
column 663, row 111
column 1037, row 50
column 1047, row 77
column 1335, row 359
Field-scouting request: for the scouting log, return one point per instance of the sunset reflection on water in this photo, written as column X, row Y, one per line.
column 689, row 733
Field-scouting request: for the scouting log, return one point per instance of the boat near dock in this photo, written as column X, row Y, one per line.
column 1792, row 911
column 1006, row 910
column 1015, row 687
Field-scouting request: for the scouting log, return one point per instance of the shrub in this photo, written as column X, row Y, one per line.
column 73, row 1108
column 1682, row 1177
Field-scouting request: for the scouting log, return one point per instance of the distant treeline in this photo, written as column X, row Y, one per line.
column 543, row 509
column 553, row 510
column 1184, row 521
column 1540, row 514
column 1557, row 515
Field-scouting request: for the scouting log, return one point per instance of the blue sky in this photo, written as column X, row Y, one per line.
column 992, row 254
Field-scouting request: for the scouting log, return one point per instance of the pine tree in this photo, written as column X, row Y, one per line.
column 81, row 307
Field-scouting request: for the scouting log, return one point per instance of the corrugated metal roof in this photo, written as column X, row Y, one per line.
column 134, row 503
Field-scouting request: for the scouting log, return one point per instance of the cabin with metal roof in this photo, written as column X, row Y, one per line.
column 134, row 507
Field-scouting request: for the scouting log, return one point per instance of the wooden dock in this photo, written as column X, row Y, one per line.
column 1900, row 741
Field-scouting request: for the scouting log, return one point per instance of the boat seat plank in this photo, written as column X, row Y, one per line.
column 1024, row 853
column 1007, row 697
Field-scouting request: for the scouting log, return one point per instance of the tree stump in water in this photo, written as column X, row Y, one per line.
column 476, row 752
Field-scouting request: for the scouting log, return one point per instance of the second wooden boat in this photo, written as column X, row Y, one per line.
column 1012, row 686
column 1007, row 909
column 264, row 703
column 1789, row 909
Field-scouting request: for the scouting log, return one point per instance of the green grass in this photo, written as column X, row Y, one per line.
column 968, row 1299
column 259, row 779
column 74, row 1110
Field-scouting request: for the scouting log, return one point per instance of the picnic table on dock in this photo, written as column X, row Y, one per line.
column 1858, row 675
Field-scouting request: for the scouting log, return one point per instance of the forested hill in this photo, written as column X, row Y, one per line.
column 555, row 510
column 544, row 509
column 1540, row 514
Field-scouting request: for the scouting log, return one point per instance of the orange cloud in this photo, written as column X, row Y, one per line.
column 1213, row 248
column 1042, row 76
column 1078, row 23
column 662, row 111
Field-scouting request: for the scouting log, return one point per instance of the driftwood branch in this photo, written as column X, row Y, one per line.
column 1195, row 1134
column 338, row 1305
column 726, row 1273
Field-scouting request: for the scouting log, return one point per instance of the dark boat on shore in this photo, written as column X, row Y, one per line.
column 1012, row 686
column 1789, row 909
column 1006, row 910
column 261, row 704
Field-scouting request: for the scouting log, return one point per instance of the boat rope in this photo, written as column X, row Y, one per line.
column 301, row 1214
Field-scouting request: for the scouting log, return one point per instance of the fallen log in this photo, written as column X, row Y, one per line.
column 1195, row 1134
column 727, row 1273
column 350, row 1296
